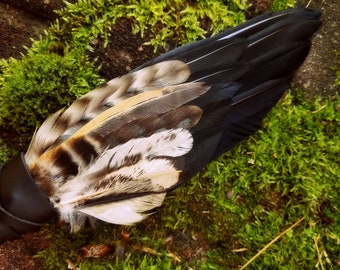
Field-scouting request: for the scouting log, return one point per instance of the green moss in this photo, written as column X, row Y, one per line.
column 177, row 21
column 282, row 4
column 286, row 171
column 37, row 85
column 5, row 151
column 239, row 203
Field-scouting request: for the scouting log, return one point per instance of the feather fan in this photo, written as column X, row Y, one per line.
column 115, row 152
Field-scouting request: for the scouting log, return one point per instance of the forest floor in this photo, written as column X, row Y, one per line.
column 22, row 22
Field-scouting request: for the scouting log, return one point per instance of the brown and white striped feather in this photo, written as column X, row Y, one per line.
column 67, row 159
column 141, row 167
column 122, row 138
column 111, row 93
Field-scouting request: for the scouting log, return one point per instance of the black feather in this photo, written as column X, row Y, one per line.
column 115, row 152
column 248, row 70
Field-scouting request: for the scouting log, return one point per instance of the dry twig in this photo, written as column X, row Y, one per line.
column 270, row 243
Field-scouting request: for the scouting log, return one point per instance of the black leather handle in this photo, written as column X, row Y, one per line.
column 23, row 207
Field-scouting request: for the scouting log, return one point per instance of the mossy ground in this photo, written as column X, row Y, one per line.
column 238, row 204
column 220, row 219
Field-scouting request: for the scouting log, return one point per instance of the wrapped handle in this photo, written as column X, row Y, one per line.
column 23, row 207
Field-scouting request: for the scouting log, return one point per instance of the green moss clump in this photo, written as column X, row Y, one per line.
column 282, row 4
column 177, row 21
column 5, row 151
column 37, row 85
column 287, row 171
column 238, row 204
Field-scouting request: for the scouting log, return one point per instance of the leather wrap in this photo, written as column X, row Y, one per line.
column 23, row 207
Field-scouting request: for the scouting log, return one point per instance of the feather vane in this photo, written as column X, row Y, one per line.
column 113, row 92
column 116, row 151
column 140, row 166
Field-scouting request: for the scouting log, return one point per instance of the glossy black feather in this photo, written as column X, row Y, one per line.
column 254, row 76
column 248, row 69
column 115, row 152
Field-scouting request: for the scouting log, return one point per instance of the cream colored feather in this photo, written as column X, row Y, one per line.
column 140, row 167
